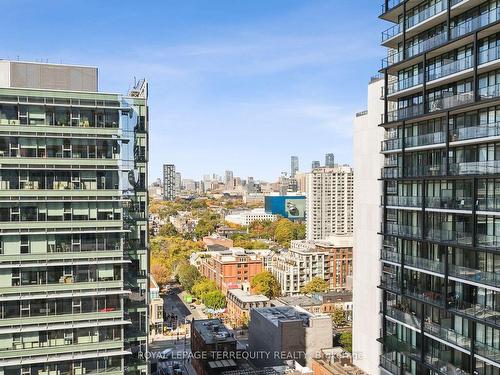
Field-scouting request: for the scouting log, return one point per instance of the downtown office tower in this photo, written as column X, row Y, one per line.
column 441, row 188
column 73, row 223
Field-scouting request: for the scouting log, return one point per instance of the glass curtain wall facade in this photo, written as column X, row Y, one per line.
column 441, row 224
column 73, row 232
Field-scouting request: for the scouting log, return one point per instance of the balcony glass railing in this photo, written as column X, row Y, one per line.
column 403, row 316
column 426, row 170
column 426, row 44
column 489, row 92
column 490, row 54
column 475, row 167
column 449, row 236
column 450, row 68
column 477, row 311
column 390, row 5
column 458, row 203
column 391, row 161
column 451, row 101
column 472, row 132
column 487, row 351
column 391, row 340
column 425, row 264
column 391, row 144
column 447, row 335
column 391, row 32
column 389, row 283
column 488, row 203
column 425, row 139
column 488, row 240
column 403, row 230
column 390, row 255
column 424, row 295
column 443, row 367
column 475, row 23
column 483, row 277
column 405, row 83
column 387, row 363
column 395, row 200
column 426, row 13
column 404, row 113
column 391, row 172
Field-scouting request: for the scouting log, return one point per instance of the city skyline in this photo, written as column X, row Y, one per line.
column 271, row 67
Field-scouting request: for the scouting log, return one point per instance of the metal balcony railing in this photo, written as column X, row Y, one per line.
column 391, row 32
column 449, row 236
column 426, row 13
column 475, row 23
column 404, row 113
column 406, row 83
column 450, row 68
column 475, row 167
column 406, row 201
column 425, row 139
column 447, row 334
column 451, row 101
column 472, row 132
column 451, row 203
column 425, row 264
column 391, row 144
column 483, row 277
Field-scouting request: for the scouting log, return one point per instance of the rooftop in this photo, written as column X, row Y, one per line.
column 244, row 296
column 284, row 313
column 299, row 300
column 212, row 331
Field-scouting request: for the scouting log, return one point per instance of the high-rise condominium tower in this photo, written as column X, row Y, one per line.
column 169, row 182
column 329, row 202
column 329, row 160
column 315, row 164
column 294, row 165
column 73, row 223
column 441, row 227
column 228, row 176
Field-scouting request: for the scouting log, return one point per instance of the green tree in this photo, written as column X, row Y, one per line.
column 338, row 317
column 187, row 275
column 265, row 283
column 346, row 341
column 207, row 224
column 168, row 230
column 316, row 285
column 214, row 300
column 202, row 287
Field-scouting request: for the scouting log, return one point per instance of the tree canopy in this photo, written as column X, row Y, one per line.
column 202, row 287
column 214, row 300
column 316, row 285
column 346, row 341
column 265, row 283
column 187, row 275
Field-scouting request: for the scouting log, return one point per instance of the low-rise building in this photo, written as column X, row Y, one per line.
column 211, row 347
column 247, row 217
column 233, row 266
column 217, row 242
column 330, row 260
column 335, row 300
column 155, row 307
column 335, row 361
column 292, row 332
column 308, row 303
column 239, row 303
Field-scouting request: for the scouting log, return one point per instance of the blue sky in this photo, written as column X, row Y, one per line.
column 234, row 84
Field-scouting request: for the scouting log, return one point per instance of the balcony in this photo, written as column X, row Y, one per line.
column 404, row 113
column 450, row 203
column 391, row 172
column 476, row 311
column 426, row 44
column 449, row 236
column 391, row 4
column 390, row 255
column 390, row 283
column 426, row 14
column 403, row 230
column 424, row 264
column 448, row 335
column 491, row 54
column 443, row 367
column 475, row 275
column 475, row 23
column 450, row 68
column 489, row 92
column 405, row 317
column 393, row 343
column 451, row 101
column 426, row 170
column 488, row 204
column 488, row 352
column 475, row 168
column 405, row 84
column 488, row 241
column 425, row 295
column 425, row 139
column 391, row 32
column 473, row 132
column 391, row 144
column 404, row 201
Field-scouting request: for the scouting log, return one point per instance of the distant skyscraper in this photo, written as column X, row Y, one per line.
column 294, row 165
column 178, row 183
column 329, row 160
column 228, row 177
column 315, row 164
column 169, row 182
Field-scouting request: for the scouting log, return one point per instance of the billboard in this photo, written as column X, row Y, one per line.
column 295, row 208
column 292, row 207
